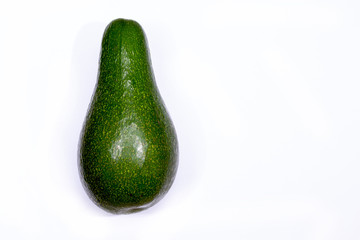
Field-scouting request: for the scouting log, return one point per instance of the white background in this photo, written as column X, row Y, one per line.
column 264, row 96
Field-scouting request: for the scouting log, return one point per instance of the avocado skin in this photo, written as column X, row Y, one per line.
column 128, row 149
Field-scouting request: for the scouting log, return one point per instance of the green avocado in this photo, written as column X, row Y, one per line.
column 128, row 149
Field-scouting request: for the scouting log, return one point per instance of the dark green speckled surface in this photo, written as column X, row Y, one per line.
column 128, row 153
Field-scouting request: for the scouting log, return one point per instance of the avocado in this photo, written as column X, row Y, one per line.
column 128, row 149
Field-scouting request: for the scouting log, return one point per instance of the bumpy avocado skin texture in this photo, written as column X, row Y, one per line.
column 128, row 150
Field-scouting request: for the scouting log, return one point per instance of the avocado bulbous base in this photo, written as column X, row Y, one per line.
column 120, row 206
